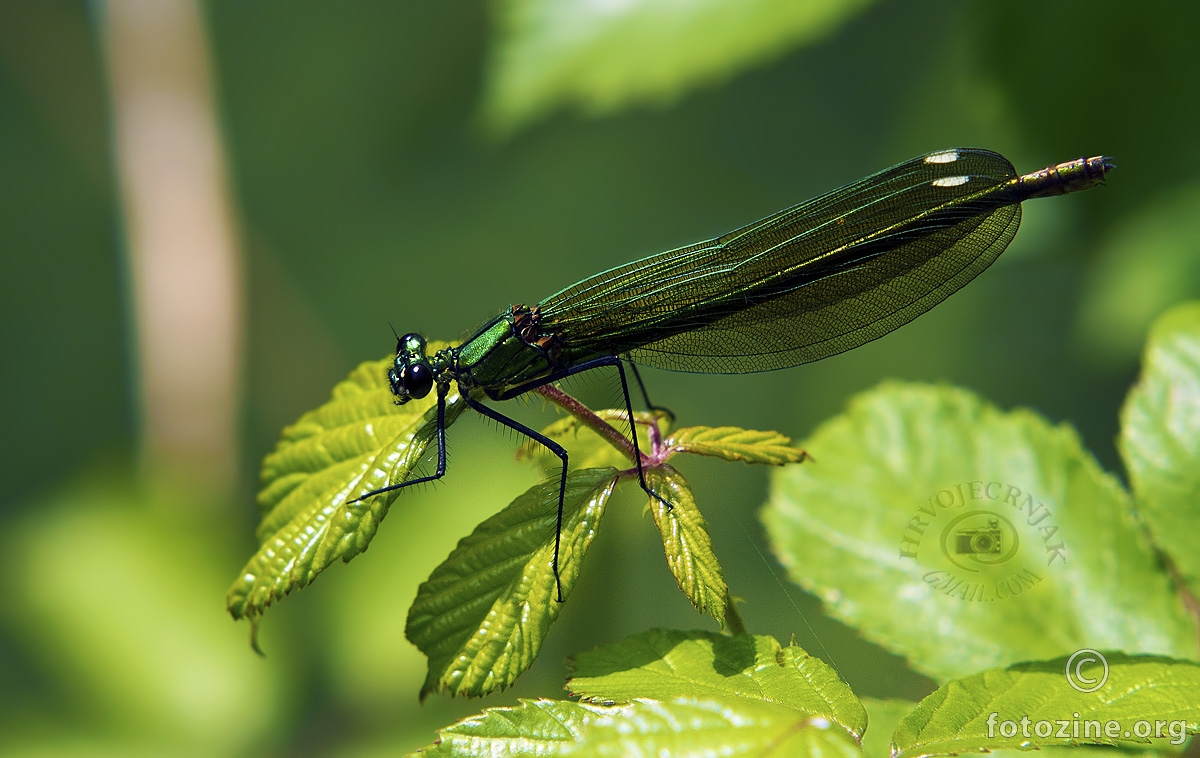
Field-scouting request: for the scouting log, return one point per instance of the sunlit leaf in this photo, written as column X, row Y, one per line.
column 893, row 529
column 534, row 727
column 886, row 715
column 734, row 444
column 1160, row 439
column 666, row 664
column 1038, row 704
column 688, row 547
column 357, row 442
column 483, row 614
column 602, row 56
column 743, row 727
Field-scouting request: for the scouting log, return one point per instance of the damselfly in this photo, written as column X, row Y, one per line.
column 808, row 282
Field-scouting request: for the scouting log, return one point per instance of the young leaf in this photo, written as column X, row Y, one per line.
column 743, row 727
column 665, row 664
column 357, row 442
column 688, row 547
column 1046, row 703
column 1160, row 439
column 965, row 538
column 482, row 615
column 734, row 444
column 602, row 57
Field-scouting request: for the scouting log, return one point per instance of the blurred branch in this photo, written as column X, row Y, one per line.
column 182, row 242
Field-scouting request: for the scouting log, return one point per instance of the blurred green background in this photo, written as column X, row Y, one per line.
column 428, row 164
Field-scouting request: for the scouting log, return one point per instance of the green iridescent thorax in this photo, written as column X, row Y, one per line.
column 512, row 349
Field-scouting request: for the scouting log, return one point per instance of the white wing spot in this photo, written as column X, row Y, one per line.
column 951, row 181
column 947, row 156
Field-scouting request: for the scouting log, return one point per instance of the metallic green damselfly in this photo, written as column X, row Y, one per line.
column 808, row 282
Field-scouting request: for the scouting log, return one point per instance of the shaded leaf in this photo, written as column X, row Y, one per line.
column 734, row 444
column 875, row 530
column 484, row 612
column 688, row 547
column 968, row 715
column 600, row 57
column 665, row 664
column 1160, row 439
column 358, row 441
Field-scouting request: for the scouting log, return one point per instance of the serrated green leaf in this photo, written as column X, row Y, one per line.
column 358, row 441
column 688, row 547
column 345, row 436
column 643, row 728
column 534, row 727
column 735, row 444
column 885, row 717
column 968, row 715
column 742, row 727
column 484, row 612
column 666, row 664
column 600, row 57
column 848, row 529
column 1160, row 439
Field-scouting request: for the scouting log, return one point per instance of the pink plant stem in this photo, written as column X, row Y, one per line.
column 592, row 421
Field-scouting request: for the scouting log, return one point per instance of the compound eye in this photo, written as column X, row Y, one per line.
column 417, row 379
column 413, row 344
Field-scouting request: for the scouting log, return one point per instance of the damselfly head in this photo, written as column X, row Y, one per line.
column 410, row 376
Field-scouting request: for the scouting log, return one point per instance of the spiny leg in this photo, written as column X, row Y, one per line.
column 441, row 458
column 637, row 453
column 607, row 360
column 553, row 447
column 645, row 396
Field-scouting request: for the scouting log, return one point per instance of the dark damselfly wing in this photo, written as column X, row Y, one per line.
column 808, row 282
